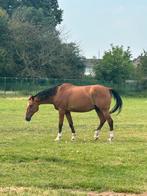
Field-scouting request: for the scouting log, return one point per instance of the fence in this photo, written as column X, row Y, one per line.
column 26, row 86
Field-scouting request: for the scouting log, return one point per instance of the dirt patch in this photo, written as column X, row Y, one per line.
column 115, row 194
column 36, row 191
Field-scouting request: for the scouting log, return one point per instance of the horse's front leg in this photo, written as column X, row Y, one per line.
column 61, row 119
column 70, row 122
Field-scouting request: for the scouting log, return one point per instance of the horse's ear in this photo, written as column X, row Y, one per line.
column 31, row 98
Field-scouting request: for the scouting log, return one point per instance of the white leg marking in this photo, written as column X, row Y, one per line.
column 58, row 137
column 73, row 137
column 96, row 134
column 111, row 136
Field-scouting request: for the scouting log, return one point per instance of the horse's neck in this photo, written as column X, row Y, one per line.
column 49, row 100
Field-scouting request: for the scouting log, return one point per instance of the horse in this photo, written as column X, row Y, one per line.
column 68, row 98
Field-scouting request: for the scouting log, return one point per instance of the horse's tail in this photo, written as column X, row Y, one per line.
column 119, row 103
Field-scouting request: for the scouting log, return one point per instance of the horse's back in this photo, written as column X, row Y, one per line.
column 81, row 98
column 83, row 91
column 69, row 86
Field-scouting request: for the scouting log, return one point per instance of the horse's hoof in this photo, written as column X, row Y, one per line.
column 110, row 140
column 96, row 138
column 73, row 139
column 57, row 139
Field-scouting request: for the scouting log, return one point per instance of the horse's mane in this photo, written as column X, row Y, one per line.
column 43, row 95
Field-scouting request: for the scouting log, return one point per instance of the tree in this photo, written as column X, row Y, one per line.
column 6, row 56
column 4, row 29
column 33, row 48
column 9, row 5
column 49, row 8
column 115, row 66
column 141, row 70
column 68, row 63
column 142, row 67
column 36, row 47
column 44, row 55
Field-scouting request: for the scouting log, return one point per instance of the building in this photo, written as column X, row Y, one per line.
column 89, row 69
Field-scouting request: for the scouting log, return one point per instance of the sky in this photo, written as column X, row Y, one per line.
column 96, row 24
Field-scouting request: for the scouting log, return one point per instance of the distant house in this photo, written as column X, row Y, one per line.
column 90, row 63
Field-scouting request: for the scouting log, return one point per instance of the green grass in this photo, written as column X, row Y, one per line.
column 29, row 156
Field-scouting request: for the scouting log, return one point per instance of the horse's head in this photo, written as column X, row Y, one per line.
column 32, row 108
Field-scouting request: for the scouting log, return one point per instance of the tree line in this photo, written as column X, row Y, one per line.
column 30, row 44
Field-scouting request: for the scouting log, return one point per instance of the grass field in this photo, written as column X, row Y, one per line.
column 30, row 158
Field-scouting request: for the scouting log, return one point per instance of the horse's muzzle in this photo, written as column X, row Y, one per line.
column 28, row 119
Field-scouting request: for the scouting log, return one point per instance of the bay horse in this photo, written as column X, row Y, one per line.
column 68, row 98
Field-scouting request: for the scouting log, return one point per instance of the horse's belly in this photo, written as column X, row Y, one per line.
column 80, row 105
column 81, row 109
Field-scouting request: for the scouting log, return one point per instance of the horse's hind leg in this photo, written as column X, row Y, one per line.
column 70, row 121
column 102, row 121
column 110, row 122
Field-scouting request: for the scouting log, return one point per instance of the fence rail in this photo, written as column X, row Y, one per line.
column 25, row 86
